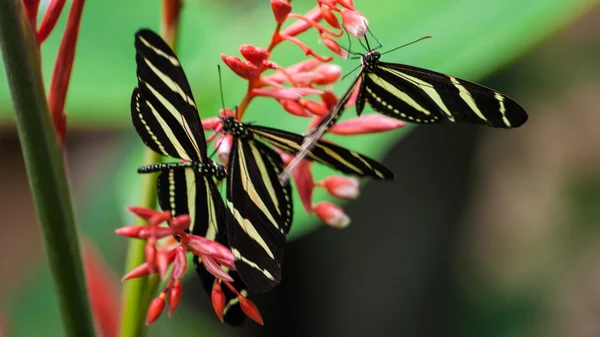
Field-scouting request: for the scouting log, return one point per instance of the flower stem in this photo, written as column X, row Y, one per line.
column 45, row 167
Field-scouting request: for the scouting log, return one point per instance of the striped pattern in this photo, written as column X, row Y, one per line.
column 423, row 96
column 185, row 191
column 419, row 96
column 259, row 212
column 334, row 156
column 165, row 116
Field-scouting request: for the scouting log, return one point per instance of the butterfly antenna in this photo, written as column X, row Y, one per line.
column 408, row 44
column 350, row 72
column 221, row 86
column 367, row 42
column 373, row 35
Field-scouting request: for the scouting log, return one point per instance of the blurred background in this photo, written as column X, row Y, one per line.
column 488, row 233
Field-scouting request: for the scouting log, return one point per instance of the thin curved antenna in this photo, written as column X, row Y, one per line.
column 350, row 72
column 221, row 87
column 404, row 45
column 347, row 50
column 362, row 45
column 373, row 35
column 367, row 42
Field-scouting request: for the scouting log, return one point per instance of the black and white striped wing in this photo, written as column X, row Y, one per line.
column 334, row 156
column 259, row 213
column 162, row 107
column 182, row 191
column 424, row 96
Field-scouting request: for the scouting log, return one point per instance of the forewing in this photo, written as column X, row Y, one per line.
column 424, row 96
column 259, row 213
column 334, row 156
column 169, row 110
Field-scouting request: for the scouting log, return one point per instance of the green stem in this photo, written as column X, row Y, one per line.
column 45, row 169
column 134, row 307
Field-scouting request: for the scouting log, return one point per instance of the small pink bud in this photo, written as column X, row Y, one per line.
column 255, row 55
column 250, row 310
column 175, row 296
column 294, row 108
column 346, row 3
column 223, row 145
column 130, row 231
column 301, row 26
column 316, row 108
column 180, row 223
column 303, row 66
column 218, row 300
column 331, row 214
column 331, row 73
column 329, row 17
column 155, row 232
column 143, row 212
column 355, row 23
column 245, row 70
column 140, row 271
column 179, row 264
column 158, row 218
column 305, row 183
column 156, row 308
column 211, row 123
column 334, row 46
column 371, row 123
column 213, row 267
column 281, row 9
column 341, row 187
column 286, row 93
column 162, row 263
column 150, row 253
column 204, row 246
column 329, row 99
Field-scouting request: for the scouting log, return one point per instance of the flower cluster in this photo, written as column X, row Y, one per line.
column 66, row 53
column 303, row 89
column 291, row 86
column 162, row 251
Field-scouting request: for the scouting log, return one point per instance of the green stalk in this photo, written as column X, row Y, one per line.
column 134, row 307
column 45, row 169
column 138, row 293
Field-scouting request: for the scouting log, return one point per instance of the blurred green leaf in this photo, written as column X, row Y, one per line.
column 471, row 39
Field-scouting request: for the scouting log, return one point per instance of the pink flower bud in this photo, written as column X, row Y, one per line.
column 204, row 246
column 329, row 99
column 303, row 179
column 211, row 123
column 255, row 55
column 294, row 108
column 218, row 300
column 281, row 9
column 250, row 310
column 331, row 214
column 180, row 223
column 130, row 231
column 179, row 264
column 158, row 218
column 155, row 232
column 143, row 212
column 175, row 297
column 329, row 17
column 334, row 46
column 316, row 108
column 301, row 26
column 214, row 268
column 140, row 271
column 223, row 145
column 286, row 93
column 331, row 73
column 162, row 262
column 156, row 308
column 245, row 70
column 346, row 3
column 372, row 123
column 355, row 23
column 341, row 187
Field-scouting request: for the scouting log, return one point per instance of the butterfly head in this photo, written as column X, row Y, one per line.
column 370, row 59
column 220, row 172
column 233, row 127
